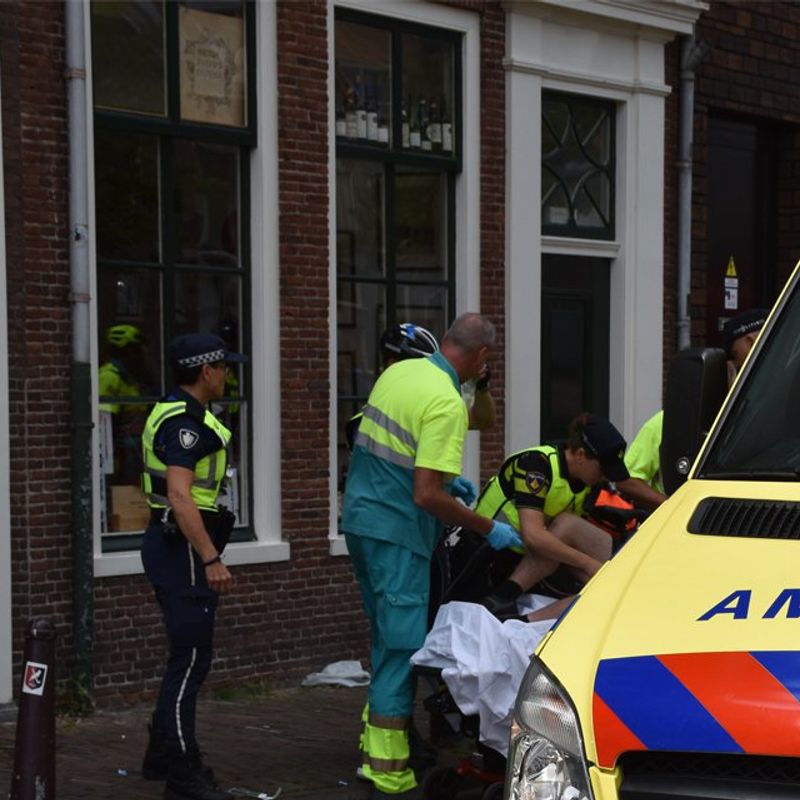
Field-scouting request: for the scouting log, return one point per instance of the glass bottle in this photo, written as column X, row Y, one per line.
column 383, row 125
column 447, row 130
column 341, row 122
column 361, row 110
column 406, row 125
column 424, row 122
column 435, row 127
column 372, row 118
column 350, row 121
column 414, row 136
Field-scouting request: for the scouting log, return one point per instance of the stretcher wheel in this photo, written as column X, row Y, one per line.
column 494, row 791
column 441, row 784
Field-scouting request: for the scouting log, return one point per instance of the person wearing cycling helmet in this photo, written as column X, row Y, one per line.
column 407, row 340
column 122, row 375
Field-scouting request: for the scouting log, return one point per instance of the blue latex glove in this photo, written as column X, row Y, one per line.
column 502, row 536
column 463, row 489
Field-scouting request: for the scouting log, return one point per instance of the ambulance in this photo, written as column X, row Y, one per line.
column 675, row 674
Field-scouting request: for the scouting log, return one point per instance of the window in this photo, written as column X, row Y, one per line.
column 398, row 147
column 577, row 166
column 174, row 124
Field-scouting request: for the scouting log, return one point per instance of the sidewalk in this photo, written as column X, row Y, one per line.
column 302, row 739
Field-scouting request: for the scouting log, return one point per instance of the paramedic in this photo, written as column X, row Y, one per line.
column 184, row 448
column 407, row 340
column 399, row 490
column 643, row 460
column 540, row 491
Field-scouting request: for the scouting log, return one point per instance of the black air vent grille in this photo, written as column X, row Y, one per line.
column 697, row 776
column 751, row 519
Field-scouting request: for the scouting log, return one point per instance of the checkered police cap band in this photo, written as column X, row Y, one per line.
column 203, row 358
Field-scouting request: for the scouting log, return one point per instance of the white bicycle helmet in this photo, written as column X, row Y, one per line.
column 407, row 340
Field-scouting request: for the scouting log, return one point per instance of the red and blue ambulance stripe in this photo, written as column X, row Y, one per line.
column 734, row 702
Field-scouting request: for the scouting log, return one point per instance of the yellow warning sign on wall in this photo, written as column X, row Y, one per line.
column 731, row 286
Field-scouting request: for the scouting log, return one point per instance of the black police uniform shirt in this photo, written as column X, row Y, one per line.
column 530, row 476
column 183, row 440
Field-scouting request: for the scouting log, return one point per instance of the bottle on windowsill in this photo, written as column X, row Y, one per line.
column 406, row 126
column 361, row 110
column 414, row 136
column 447, row 130
column 424, row 122
column 350, row 121
column 372, row 119
column 435, row 127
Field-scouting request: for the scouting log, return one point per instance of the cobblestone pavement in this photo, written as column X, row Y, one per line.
column 302, row 739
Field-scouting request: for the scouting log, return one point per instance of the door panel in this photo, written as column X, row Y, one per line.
column 575, row 340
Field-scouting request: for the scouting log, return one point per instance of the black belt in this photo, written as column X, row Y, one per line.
column 209, row 517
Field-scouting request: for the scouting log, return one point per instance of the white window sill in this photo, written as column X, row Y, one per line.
column 337, row 545
column 236, row 554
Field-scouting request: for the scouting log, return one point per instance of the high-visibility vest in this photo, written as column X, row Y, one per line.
column 209, row 472
column 497, row 496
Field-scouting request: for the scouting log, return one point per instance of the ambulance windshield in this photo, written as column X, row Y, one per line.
column 759, row 439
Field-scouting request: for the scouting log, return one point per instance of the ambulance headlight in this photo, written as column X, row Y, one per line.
column 545, row 758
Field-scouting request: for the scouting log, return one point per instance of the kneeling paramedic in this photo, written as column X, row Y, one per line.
column 403, row 483
column 185, row 459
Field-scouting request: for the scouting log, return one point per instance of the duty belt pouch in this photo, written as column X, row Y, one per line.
column 223, row 528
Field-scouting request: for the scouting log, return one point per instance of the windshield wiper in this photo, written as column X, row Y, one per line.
column 754, row 475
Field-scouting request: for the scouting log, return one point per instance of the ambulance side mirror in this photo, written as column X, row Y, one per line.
column 697, row 382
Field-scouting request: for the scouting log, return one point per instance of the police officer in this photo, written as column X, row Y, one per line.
column 184, row 448
column 408, row 448
column 540, row 491
column 740, row 333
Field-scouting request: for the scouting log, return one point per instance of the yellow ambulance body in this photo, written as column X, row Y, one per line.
column 676, row 672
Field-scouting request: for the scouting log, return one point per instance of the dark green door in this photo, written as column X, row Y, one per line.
column 575, row 340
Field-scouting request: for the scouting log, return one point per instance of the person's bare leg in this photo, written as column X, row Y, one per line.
column 531, row 570
column 583, row 536
column 551, row 611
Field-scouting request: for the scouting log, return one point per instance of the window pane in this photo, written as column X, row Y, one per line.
column 213, row 62
column 360, row 218
column 421, row 234
column 129, row 326
column 425, row 306
column 127, row 208
column 428, row 96
column 577, row 165
column 128, row 56
column 208, row 302
column 360, row 322
column 363, row 83
column 129, row 313
column 207, row 203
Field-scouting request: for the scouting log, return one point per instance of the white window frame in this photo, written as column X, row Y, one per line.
column 6, row 649
column 467, row 198
column 265, row 478
column 614, row 56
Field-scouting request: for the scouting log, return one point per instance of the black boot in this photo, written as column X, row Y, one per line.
column 189, row 780
column 501, row 607
column 155, row 763
column 422, row 755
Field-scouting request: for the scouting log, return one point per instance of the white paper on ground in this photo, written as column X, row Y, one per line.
column 483, row 661
column 341, row 673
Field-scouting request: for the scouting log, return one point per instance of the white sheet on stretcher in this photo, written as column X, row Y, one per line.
column 483, row 661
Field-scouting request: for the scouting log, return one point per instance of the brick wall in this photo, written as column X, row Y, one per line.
column 751, row 72
column 35, row 165
column 282, row 620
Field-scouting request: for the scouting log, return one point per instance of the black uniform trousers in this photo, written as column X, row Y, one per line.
column 188, row 606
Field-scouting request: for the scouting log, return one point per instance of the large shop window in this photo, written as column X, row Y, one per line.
column 174, row 123
column 398, row 143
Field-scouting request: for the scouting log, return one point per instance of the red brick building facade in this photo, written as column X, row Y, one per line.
column 293, row 612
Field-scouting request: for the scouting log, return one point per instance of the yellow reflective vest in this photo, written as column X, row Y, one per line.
column 497, row 496
column 209, row 472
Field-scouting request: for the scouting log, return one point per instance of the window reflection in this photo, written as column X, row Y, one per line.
column 207, row 191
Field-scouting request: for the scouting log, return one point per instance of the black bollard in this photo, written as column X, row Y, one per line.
column 34, row 775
